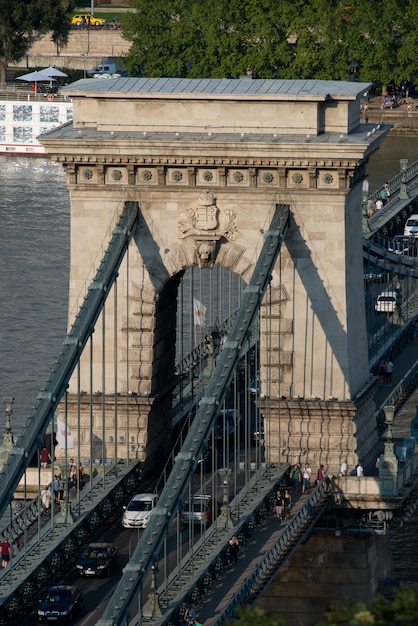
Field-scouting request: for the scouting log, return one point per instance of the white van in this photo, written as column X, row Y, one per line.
column 137, row 513
column 386, row 302
column 411, row 226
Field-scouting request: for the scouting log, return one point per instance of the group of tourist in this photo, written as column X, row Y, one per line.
column 75, row 483
column 359, row 469
column 300, row 480
column 385, row 373
column 373, row 206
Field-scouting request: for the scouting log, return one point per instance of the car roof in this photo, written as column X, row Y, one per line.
column 387, row 293
column 100, row 545
column 198, row 497
column 61, row 588
column 144, row 496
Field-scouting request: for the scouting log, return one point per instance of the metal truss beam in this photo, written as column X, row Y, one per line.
column 83, row 326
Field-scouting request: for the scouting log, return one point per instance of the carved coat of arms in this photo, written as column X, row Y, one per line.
column 207, row 218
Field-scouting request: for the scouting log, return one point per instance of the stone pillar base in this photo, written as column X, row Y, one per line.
column 325, row 570
column 315, row 431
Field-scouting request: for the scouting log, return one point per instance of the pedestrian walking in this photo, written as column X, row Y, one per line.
column 44, row 457
column 5, row 551
column 389, row 373
column 286, row 504
column 359, row 470
column 306, row 477
column 278, row 505
column 320, row 474
column 15, row 548
column 46, row 499
column 344, row 468
column 234, row 548
column 57, row 488
column 190, row 616
column 382, row 372
column 295, row 477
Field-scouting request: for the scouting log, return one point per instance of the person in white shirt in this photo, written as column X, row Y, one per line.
column 306, row 477
column 378, row 205
column 359, row 470
column 344, row 468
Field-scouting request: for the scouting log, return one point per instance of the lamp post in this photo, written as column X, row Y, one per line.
column 388, row 464
column 398, row 291
column 225, row 516
column 403, row 192
column 8, row 441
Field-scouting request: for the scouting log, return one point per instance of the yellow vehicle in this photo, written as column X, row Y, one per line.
column 87, row 19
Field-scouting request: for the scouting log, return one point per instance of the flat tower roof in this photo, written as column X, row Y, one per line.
column 221, row 87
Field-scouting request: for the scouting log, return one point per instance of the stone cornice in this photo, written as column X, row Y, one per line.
column 199, row 161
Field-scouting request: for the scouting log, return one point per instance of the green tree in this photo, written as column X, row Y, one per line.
column 294, row 39
column 401, row 611
column 21, row 21
column 254, row 616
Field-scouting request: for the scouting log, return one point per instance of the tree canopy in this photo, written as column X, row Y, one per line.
column 22, row 20
column 402, row 610
column 293, row 39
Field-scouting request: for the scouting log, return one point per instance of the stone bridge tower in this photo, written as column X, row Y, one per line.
column 207, row 161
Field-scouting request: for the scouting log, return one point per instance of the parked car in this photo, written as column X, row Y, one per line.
column 373, row 275
column 61, row 603
column 199, row 509
column 411, row 226
column 137, row 513
column 98, row 559
column 400, row 244
column 89, row 20
column 386, row 302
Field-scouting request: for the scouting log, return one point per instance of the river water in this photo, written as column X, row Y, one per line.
column 34, row 270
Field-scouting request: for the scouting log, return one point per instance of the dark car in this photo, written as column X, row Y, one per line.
column 61, row 603
column 99, row 559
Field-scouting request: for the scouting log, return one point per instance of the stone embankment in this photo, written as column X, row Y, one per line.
column 84, row 50
column 402, row 119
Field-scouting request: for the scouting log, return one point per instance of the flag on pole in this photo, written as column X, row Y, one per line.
column 199, row 313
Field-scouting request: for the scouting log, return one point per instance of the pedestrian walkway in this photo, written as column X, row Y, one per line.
column 261, row 552
column 403, row 363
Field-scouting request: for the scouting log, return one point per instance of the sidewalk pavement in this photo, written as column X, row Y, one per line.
column 401, row 366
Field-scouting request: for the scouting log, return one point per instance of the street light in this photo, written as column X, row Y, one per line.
column 225, row 516
column 8, row 409
column 389, row 412
column 8, row 441
column 388, row 463
column 403, row 192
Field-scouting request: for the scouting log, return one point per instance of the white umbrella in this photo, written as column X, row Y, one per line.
column 35, row 77
column 53, row 71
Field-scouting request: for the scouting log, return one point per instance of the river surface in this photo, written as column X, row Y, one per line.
column 34, row 271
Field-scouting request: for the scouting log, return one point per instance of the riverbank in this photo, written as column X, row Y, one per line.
column 403, row 121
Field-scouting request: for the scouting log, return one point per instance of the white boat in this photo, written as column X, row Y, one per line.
column 25, row 115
